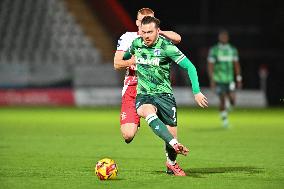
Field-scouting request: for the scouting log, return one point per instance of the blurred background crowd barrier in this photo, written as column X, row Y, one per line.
column 60, row 52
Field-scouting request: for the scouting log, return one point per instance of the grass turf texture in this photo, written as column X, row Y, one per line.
column 58, row 148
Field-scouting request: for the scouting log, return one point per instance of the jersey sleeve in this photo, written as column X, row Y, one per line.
column 211, row 56
column 174, row 53
column 123, row 43
column 129, row 52
column 192, row 74
column 131, row 49
column 236, row 55
column 127, row 55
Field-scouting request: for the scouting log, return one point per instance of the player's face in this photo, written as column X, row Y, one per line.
column 149, row 33
column 224, row 37
column 139, row 18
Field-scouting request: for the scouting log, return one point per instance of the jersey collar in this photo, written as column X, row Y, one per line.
column 223, row 46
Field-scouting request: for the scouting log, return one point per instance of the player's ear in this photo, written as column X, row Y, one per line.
column 158, row 30
column 138, row 23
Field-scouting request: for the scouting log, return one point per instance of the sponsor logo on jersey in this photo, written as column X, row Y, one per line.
column 225, row 58
column 153, row 61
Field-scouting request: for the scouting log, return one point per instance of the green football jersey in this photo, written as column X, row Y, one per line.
column 223, row 57
column 153, row 65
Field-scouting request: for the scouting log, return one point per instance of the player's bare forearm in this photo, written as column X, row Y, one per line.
column 122, row 64
column 237, row 68
column 119, row 61
column 171, row 35
column 210, row 75
column 238, row 74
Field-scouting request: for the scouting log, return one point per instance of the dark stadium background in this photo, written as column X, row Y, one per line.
column 60, row 96
column 256, row 29
column 69, row 44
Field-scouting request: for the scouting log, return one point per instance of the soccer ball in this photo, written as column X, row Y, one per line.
column 106, row 169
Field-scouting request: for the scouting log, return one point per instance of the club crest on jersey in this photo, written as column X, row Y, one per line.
column 157, row 52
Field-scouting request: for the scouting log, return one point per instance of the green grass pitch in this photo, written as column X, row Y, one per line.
column 58, row 148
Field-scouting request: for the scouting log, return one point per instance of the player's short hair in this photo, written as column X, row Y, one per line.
column 150, row 19
column 145, row 11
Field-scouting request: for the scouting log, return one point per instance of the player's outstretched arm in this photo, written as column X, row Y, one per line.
column 192, row 74
column 122, row 60
column 171, row 35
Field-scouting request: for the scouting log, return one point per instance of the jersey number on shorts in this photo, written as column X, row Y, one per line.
column 174, row 116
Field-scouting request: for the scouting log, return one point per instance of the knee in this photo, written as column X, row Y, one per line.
column 145, row 110
column 140, row 112
column 127, row 135
column 128, row 131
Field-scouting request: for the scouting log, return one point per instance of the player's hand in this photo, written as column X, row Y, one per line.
column 201, row 100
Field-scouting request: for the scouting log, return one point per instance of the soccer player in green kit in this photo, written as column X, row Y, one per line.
column 155, row 101
column 223, row 66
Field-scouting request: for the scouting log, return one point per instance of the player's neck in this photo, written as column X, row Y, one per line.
column 222, row 44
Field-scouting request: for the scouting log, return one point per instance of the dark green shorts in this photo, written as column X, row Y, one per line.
column 165, row 104
column 225, row 88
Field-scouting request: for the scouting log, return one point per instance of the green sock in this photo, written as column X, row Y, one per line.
column 160, row 129
column 171, row 154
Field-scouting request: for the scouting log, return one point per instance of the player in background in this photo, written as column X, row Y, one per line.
column 155, row 101
column 129, row 120
column 223, row 69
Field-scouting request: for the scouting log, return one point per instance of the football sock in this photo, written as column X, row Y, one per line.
column 230, row 105
column 227, row 105
column 171, row 154
column 224, row 117
column 160, row 129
